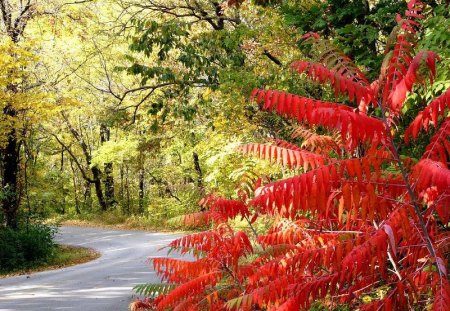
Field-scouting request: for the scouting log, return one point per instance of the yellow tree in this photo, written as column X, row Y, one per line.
column 22, row 102
column 14, row 19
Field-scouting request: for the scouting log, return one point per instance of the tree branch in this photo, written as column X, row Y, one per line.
column 272, row 58
column 166, row 184
column 74, row 158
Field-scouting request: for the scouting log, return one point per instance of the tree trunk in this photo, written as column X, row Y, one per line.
column 141, row 189
column 127, row 189
column 198, row 169
column 87, row 195
column 108, row 169
column 63, row 189
column 10, row 171
column 26, row 186
column 75, row 192
column 98, row 188
column 96, row 173
column 109, row 185
column 122, row 188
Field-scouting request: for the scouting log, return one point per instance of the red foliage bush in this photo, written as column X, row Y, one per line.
column 358, row 220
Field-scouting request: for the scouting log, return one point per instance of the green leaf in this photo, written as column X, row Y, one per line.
column 153, row 290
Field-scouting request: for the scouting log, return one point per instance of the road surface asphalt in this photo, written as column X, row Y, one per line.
column 104, row 284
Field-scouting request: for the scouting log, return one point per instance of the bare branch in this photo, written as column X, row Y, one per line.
column 77, row 2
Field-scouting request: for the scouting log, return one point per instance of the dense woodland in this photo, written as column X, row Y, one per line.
column 127, row 107
column 309, row 138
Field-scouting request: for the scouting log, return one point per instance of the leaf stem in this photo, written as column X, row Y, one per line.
column 412, row 195
column 251, row 227
column 391, row 258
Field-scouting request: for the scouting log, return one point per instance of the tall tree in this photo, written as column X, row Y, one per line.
column 14, row 19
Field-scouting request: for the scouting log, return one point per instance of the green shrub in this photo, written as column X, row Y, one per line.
column 10, row 249
column 25, row 247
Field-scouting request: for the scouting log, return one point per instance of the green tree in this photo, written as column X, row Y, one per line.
column 360, row 28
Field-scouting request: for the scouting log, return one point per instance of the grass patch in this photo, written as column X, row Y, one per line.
column 64, row 256
column 130, row 223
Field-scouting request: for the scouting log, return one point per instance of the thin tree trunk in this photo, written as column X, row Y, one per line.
column 75, row 192
column 27, row 192
column 127, row 189
column 108, row 169
column 198, row 169
column 141, row 189
column 62, row 182
column 87, row 195
column 28, row 158
column 10, row 171
column 122, row 188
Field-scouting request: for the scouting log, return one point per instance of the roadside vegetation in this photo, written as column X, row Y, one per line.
column 61, row 257
column 31, row 248
column 28, row 246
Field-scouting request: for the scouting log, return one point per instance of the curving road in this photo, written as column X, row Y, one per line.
column 104, row 284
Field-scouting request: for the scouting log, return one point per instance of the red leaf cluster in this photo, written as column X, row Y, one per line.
column 344, row 82
column 437, row 108
column 285, row 154
column 354, row 127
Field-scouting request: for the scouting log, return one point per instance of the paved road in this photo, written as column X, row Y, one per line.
column 104, row 284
